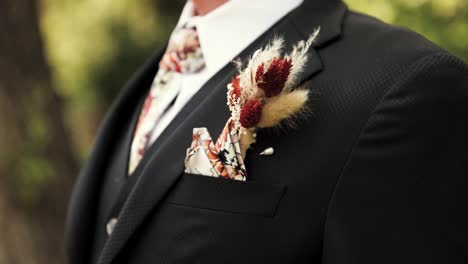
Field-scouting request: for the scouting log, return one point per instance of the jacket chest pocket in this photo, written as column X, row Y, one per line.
column 218, row 194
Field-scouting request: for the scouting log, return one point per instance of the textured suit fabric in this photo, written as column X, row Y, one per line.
column 115, row 180
column 377, row 174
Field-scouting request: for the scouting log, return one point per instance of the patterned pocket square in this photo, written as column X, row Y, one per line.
column 223, row 159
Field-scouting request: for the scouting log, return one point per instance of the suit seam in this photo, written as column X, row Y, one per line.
column 405, row 75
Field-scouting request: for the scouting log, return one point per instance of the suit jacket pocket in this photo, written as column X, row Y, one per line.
column 227, row 195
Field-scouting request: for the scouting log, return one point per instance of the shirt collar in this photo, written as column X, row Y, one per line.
column 230, row 28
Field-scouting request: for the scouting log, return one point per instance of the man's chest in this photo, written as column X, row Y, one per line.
column 283, row 203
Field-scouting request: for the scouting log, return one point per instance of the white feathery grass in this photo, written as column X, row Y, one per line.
column 238, row 63
column 299, row 59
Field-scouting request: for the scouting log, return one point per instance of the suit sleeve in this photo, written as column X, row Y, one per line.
column 402, row 196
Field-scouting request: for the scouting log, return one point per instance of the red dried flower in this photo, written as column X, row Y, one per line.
column 251, row 113
column 259, row 73
column 272, row 81
column 236, row 91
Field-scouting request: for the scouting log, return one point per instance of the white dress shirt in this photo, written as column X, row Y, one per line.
column 223, row 33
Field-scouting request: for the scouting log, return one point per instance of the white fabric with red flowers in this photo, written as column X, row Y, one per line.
column 183, row 55
column 221, row 159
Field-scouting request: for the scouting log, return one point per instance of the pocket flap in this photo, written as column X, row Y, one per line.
column 224, row 195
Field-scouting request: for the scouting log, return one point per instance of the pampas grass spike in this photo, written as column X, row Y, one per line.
column 284, row 108
column 299, row 58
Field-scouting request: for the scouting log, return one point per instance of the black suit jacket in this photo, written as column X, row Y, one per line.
column 378, row 173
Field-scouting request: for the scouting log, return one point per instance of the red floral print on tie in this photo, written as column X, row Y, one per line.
column 183, row 55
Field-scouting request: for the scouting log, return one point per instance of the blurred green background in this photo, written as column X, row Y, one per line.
column 61, row 64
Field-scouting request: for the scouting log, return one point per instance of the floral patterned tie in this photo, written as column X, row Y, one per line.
column 183, row 55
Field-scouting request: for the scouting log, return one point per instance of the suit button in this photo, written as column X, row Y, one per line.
column 111, row 225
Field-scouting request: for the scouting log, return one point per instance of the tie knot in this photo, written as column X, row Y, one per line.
column 183, row 53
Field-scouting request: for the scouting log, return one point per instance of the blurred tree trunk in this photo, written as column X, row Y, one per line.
column 37, row 163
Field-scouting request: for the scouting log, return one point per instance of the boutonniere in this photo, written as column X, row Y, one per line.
column 265, row 93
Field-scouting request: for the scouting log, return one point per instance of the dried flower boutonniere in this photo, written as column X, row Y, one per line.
column 264, row 94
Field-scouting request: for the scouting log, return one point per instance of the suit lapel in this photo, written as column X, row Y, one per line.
column 80, row 216
column 163, row 164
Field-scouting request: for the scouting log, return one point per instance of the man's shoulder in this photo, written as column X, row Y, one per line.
column 371, row 57
column 394, row 44
column 369, row 47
